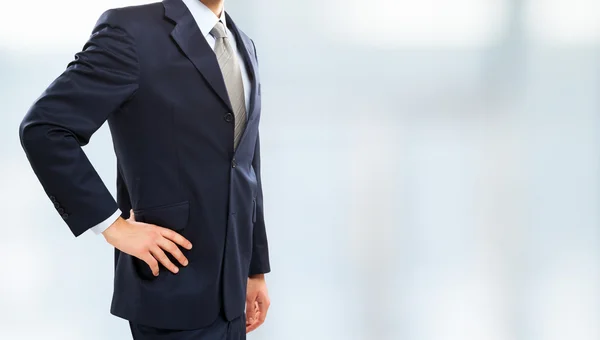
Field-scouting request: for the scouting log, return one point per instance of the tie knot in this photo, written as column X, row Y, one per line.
column 218, row 31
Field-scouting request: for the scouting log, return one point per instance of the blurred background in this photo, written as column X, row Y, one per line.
column 430, row 171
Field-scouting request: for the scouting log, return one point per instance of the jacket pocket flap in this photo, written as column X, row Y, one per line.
column 171, row 216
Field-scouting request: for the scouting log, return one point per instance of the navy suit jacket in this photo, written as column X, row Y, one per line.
column 149, row 71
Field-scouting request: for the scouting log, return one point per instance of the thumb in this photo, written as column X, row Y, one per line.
column 131, row 215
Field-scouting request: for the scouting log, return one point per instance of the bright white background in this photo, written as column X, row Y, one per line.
column 430, row 169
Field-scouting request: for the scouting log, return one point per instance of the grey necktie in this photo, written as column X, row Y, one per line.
column 233, row 79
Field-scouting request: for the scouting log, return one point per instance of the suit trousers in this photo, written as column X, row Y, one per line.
column 220, row 329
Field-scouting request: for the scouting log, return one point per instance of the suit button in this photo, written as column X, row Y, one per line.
column 65, row 216
column 61, row 210
column 56, row 205
column 53, row 199
column 233, row 163
column 228, row 117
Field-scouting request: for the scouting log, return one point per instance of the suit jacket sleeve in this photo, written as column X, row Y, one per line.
column 259, row 263
column 95, row 85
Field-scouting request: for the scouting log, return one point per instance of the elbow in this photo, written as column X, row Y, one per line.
column 34, row 135
column 25, row 133
column 36, row 132
column 31, row 135
column 29, row 130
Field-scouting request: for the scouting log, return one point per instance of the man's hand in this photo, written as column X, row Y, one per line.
column 257, row 302
column 147, row 242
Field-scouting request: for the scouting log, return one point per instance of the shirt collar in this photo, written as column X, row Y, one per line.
column 204, row 17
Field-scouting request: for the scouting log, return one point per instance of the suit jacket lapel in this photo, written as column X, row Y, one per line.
column 192, row 43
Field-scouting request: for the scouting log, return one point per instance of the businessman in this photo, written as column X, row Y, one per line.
column 178, row 83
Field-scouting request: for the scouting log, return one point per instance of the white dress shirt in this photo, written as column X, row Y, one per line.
column 206, row 20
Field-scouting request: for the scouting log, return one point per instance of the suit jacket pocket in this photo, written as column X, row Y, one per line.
column 172, row 216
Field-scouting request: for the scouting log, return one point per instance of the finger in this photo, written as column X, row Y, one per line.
column 131, row 215
column 172, row 248
column 263, row 307
column 160, row 255
column 151, row 262
column 251, row 309
column 253, row 326
column 175, row 237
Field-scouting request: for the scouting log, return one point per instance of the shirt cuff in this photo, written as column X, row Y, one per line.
column 102, row 226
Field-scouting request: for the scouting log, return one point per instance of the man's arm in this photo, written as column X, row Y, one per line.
column 257, row 295
column 100, row 79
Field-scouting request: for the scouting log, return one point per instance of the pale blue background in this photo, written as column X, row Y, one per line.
column 430, row 171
